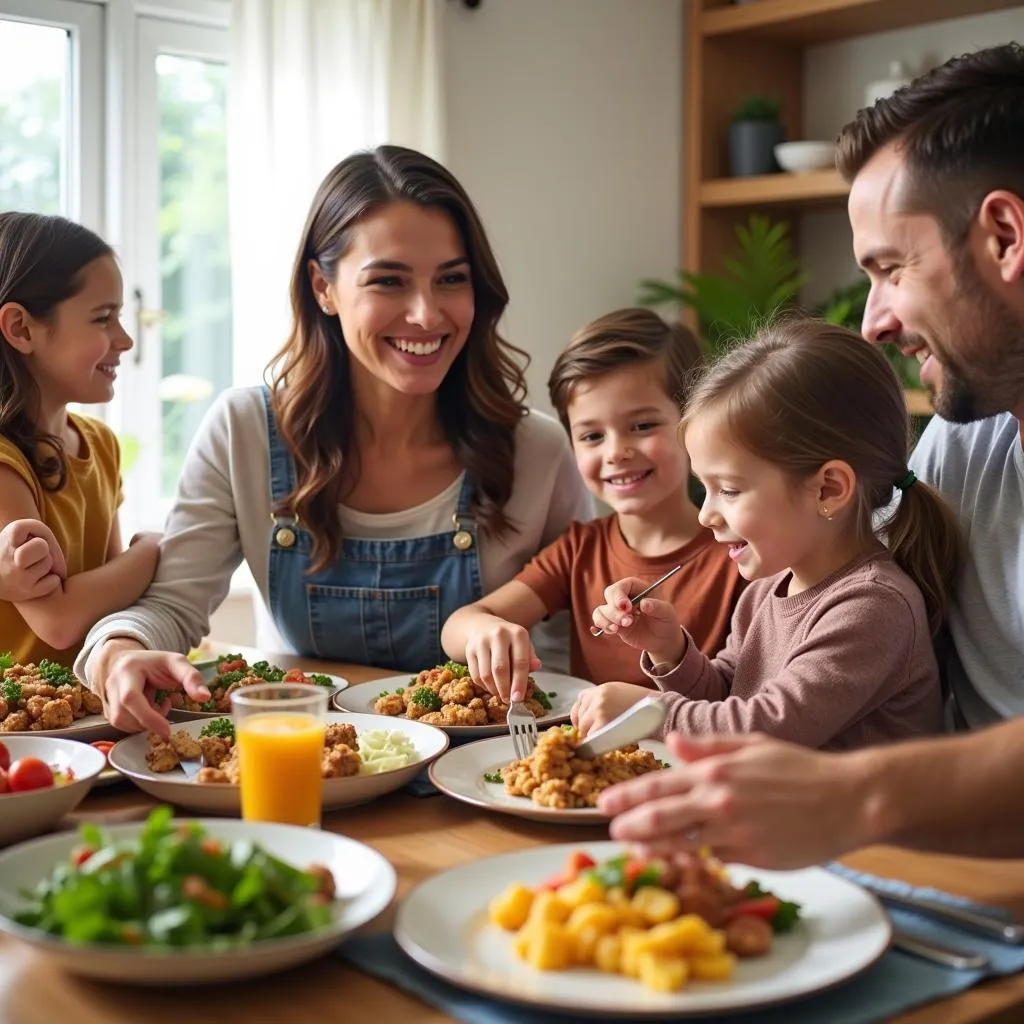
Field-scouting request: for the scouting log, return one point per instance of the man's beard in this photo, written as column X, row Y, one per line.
column 985, row 376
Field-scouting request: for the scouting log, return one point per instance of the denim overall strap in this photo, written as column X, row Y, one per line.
column 381, row 602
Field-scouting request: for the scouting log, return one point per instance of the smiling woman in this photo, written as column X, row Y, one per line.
column 390, row 472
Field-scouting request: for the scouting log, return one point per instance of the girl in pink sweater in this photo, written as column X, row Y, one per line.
column 800, row 438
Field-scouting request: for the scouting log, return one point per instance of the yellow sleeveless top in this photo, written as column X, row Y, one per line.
column 81, row 515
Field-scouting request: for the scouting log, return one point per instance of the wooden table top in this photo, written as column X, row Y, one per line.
column 421, row 836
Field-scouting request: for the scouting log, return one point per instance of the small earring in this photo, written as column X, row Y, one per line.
column 325, row 309
column 825, row 513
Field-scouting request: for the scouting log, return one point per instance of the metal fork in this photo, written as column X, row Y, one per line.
column 522, row 727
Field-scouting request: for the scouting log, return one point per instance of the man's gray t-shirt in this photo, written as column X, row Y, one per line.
column 979, row 469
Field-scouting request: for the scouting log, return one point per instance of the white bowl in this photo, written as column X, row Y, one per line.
column 129, row 757
column 27, row 814
column 805, row 156
column 365, row 884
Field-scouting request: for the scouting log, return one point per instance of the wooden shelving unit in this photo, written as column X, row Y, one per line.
column 736, row 49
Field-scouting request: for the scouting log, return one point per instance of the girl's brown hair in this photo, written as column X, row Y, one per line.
column 803, row 392
column 480, row 401
column 625, row 338
column 41, row 264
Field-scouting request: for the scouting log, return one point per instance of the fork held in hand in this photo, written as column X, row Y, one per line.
column 522, row 727
column 637, row 598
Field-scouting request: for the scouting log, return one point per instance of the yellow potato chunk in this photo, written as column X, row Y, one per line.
column 608, row 953
column 710, row 944
column 654, row 904
column 550, row 947
column 662, row 973
column 634, row 942
column 547, row 906
column 521, row 943
column 581, row 891
column 510, row 909
column 712, row 968
column 585, row 942
column 683, row 936
column 598, row 916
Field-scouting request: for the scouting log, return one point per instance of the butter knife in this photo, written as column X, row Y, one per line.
column 632, row 726
column 946, row 956
column 1010, row 932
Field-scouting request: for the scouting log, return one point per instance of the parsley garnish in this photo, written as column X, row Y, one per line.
column 493, row 777
column 222, row 727
column 11, row 692
column 54, row 674
column 456, row 668
column 426, row 697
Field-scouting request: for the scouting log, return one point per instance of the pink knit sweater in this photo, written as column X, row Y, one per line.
column 845, row 664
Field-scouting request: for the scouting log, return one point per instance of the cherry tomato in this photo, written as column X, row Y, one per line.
column 3, row 781
column 80, row 854
column 231, row 666
column 103, row 746
column 5, row 757
column 29, row 773
column 294, row 675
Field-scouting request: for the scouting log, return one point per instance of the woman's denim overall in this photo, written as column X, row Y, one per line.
column 381, row 602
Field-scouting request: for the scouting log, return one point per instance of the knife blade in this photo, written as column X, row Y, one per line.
column 1010, row 932
column 946, row 956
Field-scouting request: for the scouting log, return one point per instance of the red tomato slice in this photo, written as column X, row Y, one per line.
column 762, row 906
column 103, row 746
column 29, row 773
column 294, row 675
column 5, row 757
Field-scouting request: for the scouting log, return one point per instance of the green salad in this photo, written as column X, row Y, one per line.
column 175, row 886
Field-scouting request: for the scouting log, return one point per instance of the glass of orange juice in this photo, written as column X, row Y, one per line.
column 279, row 729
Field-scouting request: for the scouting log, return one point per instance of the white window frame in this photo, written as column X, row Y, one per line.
column 85, row 142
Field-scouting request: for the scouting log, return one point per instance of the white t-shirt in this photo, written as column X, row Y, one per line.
column 979, row 469
column 222, row 515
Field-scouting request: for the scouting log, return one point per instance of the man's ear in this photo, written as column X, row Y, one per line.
column 1001, row 217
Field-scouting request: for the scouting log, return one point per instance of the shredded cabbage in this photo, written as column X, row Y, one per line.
column 384, row 750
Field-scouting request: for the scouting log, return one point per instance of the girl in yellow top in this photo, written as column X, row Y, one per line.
column 60, row 342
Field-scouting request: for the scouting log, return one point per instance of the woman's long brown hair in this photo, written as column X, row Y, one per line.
column 41, row 264
column 481, row 400
column 803, row 392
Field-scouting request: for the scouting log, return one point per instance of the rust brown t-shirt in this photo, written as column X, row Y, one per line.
column 573, row 571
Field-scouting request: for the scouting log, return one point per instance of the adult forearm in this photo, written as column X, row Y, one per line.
column 960, row 795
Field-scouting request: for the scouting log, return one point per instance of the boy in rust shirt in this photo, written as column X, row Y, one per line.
column 616, row 389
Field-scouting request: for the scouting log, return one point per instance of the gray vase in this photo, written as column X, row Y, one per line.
column 752, row 145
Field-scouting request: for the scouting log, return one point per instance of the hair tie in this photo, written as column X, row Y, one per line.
column 907, row 481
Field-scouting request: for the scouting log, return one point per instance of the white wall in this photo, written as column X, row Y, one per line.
column 835, row 77
column 564, row 125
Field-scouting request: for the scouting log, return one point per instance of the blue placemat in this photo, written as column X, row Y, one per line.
column 895, row 984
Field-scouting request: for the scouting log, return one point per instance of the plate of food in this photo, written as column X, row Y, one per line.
column 229, row 672
column 363, row 758
column 176, row 902
column 47, row 700
column 551, row 784
column 593, row 930
column 41, row 780
column 445, row 696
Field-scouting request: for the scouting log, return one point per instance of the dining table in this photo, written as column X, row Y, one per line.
column 421, row 836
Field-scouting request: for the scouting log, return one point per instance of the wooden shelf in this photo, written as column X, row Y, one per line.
column 919, row 402
column 812, row 188
column 805, row 22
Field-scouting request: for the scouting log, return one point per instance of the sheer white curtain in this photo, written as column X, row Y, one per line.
column 311, row 82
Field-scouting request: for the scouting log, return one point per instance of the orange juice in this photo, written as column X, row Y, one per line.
column 280, row 755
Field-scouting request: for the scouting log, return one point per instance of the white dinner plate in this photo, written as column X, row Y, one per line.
column 174, row 787
column 365, row 884
column 460, row 773
column 87, row 728
column 843, row 931
column 566, row 689
column 208, row 670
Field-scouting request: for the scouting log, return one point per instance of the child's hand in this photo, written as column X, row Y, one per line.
column 500, row 657
column 31, row 562
column 652, row 626
column 598, row 705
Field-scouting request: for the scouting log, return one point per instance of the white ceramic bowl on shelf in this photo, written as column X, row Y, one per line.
column 805, row 156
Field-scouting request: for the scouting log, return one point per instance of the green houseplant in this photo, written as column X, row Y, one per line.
column 755, row 131
column 761, row 277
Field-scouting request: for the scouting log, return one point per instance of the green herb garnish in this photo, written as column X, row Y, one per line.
column 11, row 692
column 542, row 699
column 785, row 917
column 457, row 669
column 222, row 727
column 426, row 698
column 319, row 679
column 234, row 676
column 56, row 675
column 493, row 777
column 264, row 670
column 6, row 661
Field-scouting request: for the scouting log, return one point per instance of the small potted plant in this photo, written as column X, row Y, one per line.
column 754, row 133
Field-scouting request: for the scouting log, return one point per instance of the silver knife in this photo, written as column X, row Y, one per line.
column 946, row 956
column 1010, row 932
column 634, row 724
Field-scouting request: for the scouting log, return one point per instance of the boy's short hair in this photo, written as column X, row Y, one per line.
column 621, row 339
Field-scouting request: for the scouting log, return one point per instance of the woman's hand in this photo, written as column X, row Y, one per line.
column 500, row 657
column 126, row 677
column 652, row 626
column 31, row 562
column 598, row 705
